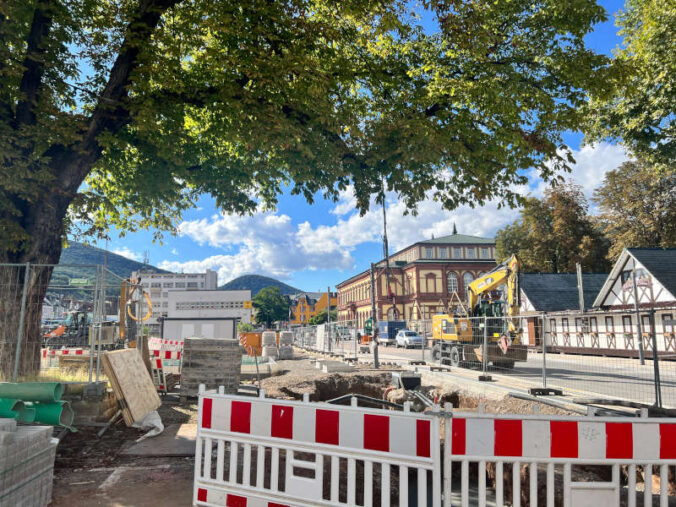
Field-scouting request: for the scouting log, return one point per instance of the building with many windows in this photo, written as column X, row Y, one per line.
column 158, row 286
column 306, row 305
column 420, row 280
column 205, row 313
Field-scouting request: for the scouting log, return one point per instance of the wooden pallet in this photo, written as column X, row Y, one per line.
column 132, row 385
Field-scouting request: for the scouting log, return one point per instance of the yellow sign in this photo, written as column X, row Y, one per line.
column 247, row 305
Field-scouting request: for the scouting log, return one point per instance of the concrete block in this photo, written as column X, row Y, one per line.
column 336, row 366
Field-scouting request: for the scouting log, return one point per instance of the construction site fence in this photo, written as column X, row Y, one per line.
column 263, row 452
column 56, row 320
column 585, row 356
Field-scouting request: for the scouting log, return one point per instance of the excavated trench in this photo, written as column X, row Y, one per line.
column 378, row 385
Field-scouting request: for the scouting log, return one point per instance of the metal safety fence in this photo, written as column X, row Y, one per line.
column 580, row 354
column 55, row 320
column 338, row 337
column 258, row 451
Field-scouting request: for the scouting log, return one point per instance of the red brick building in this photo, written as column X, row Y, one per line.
column 422, row 278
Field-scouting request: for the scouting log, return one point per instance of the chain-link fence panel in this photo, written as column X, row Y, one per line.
column 56, row 320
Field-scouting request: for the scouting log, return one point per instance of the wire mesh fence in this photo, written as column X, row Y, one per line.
column 608, row 354
column 56, row 320
column 338, row 337
column 531, row 351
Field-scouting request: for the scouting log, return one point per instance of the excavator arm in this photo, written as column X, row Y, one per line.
column 506, row 273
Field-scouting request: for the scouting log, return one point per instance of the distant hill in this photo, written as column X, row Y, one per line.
column 255, row 283
column 78, row 261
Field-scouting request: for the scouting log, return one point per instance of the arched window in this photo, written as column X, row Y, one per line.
column 452, row 282
column 467, row 278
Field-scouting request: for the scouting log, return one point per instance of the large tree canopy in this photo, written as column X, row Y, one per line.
column 122, row 112
column 271, row 306
column 636, row 208
column 640, row 108
column 554, row 233
column 127, row 110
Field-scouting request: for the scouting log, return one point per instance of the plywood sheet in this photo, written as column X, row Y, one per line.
column 131, row 383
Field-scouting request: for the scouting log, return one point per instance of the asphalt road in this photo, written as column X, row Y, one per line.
column 577, row 375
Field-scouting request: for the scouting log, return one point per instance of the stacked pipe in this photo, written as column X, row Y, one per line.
column 26, row 464
column 29, row 402
column 269, row 341
column 286, row 345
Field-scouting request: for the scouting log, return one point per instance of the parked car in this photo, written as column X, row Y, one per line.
column 406, row 339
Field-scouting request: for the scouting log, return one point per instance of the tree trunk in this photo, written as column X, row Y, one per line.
column 44, row 222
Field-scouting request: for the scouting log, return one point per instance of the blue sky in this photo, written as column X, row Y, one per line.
column 314, row 246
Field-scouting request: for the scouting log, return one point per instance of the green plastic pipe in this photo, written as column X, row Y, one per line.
column 56, row 414
column 27, row 415
column 10, row 408
column 32, row 391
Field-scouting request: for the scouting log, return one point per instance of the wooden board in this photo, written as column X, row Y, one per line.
column 132, row 385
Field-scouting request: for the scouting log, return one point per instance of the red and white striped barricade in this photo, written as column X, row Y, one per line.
column 166, row 354
column 169, row 350
column 164, row 381
column 64, row 352
column 324, row 450
column 555, row 444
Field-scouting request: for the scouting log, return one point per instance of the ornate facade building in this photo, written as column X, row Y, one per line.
column 421, row 279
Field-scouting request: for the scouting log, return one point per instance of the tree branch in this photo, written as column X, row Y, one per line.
column 111, row 112
column 138, row 34
column 34, row 63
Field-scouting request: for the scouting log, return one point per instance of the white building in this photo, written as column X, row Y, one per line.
column 205, row 313
column 611, row 325
column 159, row 285
column 52, row 309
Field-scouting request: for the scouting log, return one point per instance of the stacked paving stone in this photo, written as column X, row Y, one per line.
column 26, row 464
column 210, row 362
column 269, row 339
column 286, row 345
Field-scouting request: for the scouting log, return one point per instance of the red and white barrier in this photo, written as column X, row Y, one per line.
column 353, row 429
column 242, row 443
column 403, row 444
column 542, row 442
column 166, row 354
column 213, row 496
column 567, row 439
column 159, row 375
column 64, row 352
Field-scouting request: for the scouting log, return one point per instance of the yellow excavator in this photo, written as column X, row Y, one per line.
column 458, row 339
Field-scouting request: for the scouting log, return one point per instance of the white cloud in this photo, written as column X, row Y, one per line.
column 347, row 202
column 174, row 251
column 265, row 243
column 270, row 244
column 350, row 230
column 129, row 254
column 591, row 165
